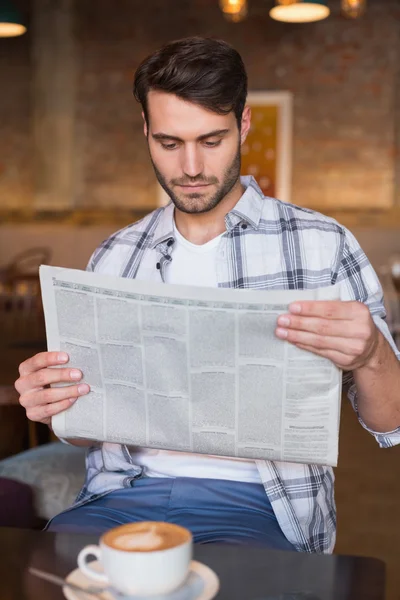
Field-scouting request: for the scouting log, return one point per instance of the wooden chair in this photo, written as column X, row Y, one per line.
column 391, row 291
column 22, row 329
column 21, row 312
column 13, row 417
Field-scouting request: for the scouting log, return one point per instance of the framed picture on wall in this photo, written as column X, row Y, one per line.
column 267, row 152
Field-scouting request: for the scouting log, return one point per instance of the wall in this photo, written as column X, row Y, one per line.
column 344, row 76
column 16, row 147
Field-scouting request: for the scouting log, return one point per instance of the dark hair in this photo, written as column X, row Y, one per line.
column 204, row 71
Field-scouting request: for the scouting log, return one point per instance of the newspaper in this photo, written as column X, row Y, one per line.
column 192, row 369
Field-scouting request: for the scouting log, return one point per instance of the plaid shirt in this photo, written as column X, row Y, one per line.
column 268, row 244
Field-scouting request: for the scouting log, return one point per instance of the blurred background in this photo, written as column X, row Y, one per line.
column 74, row 168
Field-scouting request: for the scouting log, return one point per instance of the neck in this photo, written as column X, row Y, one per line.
column 202, row 227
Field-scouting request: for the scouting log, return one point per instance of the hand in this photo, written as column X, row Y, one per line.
column 35, row 373
column 344, row 332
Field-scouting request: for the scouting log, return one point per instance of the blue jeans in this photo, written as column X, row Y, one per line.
column 213, row 510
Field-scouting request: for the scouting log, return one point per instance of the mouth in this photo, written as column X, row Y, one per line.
column 195, row 188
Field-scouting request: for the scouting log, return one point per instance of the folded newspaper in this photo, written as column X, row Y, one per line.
column 192, row 369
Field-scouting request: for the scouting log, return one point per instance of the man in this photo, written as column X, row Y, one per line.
column 219, row 230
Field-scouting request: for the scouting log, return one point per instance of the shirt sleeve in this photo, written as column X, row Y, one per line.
column 358, row 281
column 90, row 264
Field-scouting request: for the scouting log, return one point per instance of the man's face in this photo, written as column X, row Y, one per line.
column 195, row 152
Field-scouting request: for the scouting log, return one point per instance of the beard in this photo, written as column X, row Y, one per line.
column 197, row 203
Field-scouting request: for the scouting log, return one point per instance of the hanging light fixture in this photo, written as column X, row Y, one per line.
column 234, row 10
column 11, row 23
column 353, row 8
column 300, row 11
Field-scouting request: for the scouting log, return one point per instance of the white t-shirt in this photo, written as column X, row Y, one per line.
column 194, row 265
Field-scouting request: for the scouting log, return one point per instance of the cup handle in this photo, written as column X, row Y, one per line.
column 91, row 550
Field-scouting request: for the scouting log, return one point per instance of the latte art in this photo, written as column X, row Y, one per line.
column 146, row 540
column 146, row 536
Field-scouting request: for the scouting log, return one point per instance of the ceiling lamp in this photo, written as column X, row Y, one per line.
column 300, row 11
column 11, row 23
column 353, row 8
column 234, row 10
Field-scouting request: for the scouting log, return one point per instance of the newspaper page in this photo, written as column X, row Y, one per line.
column 191, row 369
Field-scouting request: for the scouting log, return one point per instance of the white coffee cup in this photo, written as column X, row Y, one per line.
column 145, row 558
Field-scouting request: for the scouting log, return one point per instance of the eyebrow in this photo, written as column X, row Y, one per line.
column 165, row 136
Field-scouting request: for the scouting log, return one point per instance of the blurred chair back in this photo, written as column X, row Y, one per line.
column 21, row 311
column 391, row 294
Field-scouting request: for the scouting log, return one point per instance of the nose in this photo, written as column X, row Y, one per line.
column 192, row 161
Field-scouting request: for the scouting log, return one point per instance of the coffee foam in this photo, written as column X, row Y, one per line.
column 146, row 536
column 146, row 540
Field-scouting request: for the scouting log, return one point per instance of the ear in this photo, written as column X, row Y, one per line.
column 145, row 128
column 246, row 122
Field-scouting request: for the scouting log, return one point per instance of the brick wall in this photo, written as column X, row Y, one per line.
column 344, row 76
column 342, row 73
column 16, row 172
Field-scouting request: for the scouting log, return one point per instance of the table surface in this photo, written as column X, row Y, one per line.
column 245, row 572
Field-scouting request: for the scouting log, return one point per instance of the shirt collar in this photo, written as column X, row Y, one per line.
column 165, row 227
column 248, row 209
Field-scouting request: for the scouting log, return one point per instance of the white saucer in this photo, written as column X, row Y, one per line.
column 201, row 584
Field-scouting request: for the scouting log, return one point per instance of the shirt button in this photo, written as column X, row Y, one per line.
column 244, row 226
column 158, row 266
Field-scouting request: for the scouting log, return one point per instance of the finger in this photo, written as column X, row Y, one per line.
column 53, row 395
column 327, row 309
column 38, row 379
column 340, row 360
column 41, row 361
column 350, row 347
column 43, row 414
column 325, row 327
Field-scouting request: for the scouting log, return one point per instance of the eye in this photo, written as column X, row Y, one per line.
column 170, row 146
column 212, row 144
